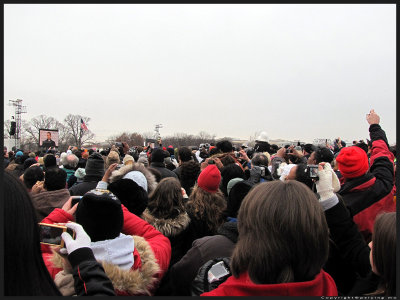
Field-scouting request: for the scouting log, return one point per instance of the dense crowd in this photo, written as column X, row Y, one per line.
column 219, row 220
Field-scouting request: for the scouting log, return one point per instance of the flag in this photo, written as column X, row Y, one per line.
column 83, row 125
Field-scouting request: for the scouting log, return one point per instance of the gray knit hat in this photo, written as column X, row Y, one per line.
column 95, row 165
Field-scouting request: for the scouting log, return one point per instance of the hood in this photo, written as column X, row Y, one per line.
column 117, row 251
column 321, row 285
column 168, row 227
column 119, row 174
column 141, row 281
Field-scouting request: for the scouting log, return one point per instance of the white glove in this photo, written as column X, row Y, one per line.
column 327, row 183
column 82, row 240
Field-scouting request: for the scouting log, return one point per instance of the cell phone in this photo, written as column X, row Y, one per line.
column 50, row 234
column 217, row 271
column 211, row 162
column 312, row 171
column 75, row 200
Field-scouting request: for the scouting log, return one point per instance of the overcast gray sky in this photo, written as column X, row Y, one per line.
column 295, row 71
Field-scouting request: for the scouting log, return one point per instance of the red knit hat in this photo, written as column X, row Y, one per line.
column 209, row 179
column 352, row 162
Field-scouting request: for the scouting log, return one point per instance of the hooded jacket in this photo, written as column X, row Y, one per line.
column 45, row 202
column 175, row 229
column 321, row 285
column 203, row 250
column 368, row 195
column 133, row 269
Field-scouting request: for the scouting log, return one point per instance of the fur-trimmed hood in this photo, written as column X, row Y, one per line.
column 168, row 227
column 151, row 180
column 141, row 281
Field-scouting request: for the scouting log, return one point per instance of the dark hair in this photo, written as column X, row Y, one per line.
column 213, row 151
column 166, row 200
column 209, row 207
column 323, row 154
column 260, row 159
column 190, row 170
column 55, row 179
column 224, row 146
column 309, row 148
column 302, row 175
column 384, row 251
column 49, row 160
column 236, row 196
column 227, row 173
column 363, row 146
column 32, row 175
column 283, row 234
column 24, row 270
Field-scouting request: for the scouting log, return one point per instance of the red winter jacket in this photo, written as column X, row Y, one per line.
column 373, row 193
column 133, row 225
column 321, row 285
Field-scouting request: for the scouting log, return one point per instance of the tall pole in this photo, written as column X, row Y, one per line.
column 19, row 109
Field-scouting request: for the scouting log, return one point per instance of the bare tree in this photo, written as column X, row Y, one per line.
column 77, row 136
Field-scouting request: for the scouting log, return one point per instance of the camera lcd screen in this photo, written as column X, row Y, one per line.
column 218, row 270
column 52, row 235
column 313, row 171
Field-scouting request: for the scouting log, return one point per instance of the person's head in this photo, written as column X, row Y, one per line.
column 352, row 162
column 29, row 162
column 49, row 161
column 71, row 161
column 112, row 157
column 158, row 155
column 32, row 175
column 25, row 273
column 143, row 160
column 55, row 179
column 131, row 190
column 229, row 172
column 363, row 146
column 207, row 206
column 184, row 154
column 260, row 159
column 321, row 154
column 100, row 214
column 95, row 165
column 48, row 134
column 128, row 159
column 383, row 251
column 308, row 149
column 301, row 175
column 224, row 146
column 166, row 201
column 283, row 234
column 236, row 196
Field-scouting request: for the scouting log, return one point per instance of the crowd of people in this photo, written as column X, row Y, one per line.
column 298, row 220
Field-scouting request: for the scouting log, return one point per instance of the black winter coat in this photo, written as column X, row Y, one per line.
column 203, row 250
column 163, row 170
column 82, row 188
column 89, row 276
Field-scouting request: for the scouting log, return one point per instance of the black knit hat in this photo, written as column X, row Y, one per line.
column 95, row 165
column 100, row 214
column 236, row 196
column 158, row 155
column 132, row 196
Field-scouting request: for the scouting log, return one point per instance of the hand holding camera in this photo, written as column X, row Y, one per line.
column 328, row 182
column 82, row 240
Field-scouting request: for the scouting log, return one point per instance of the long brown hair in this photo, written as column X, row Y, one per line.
column 166, row 200
column 283, row 234
column 207, row 206
column 384, row 251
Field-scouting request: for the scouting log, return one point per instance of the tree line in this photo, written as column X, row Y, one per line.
column 70, row 134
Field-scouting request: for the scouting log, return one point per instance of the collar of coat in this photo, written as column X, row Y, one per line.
column 151, row 180
column 141, row 281
column 168, row 227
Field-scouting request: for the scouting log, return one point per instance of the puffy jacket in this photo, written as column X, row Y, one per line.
column 368, row 195
column 321, row 285
column 151, row 256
